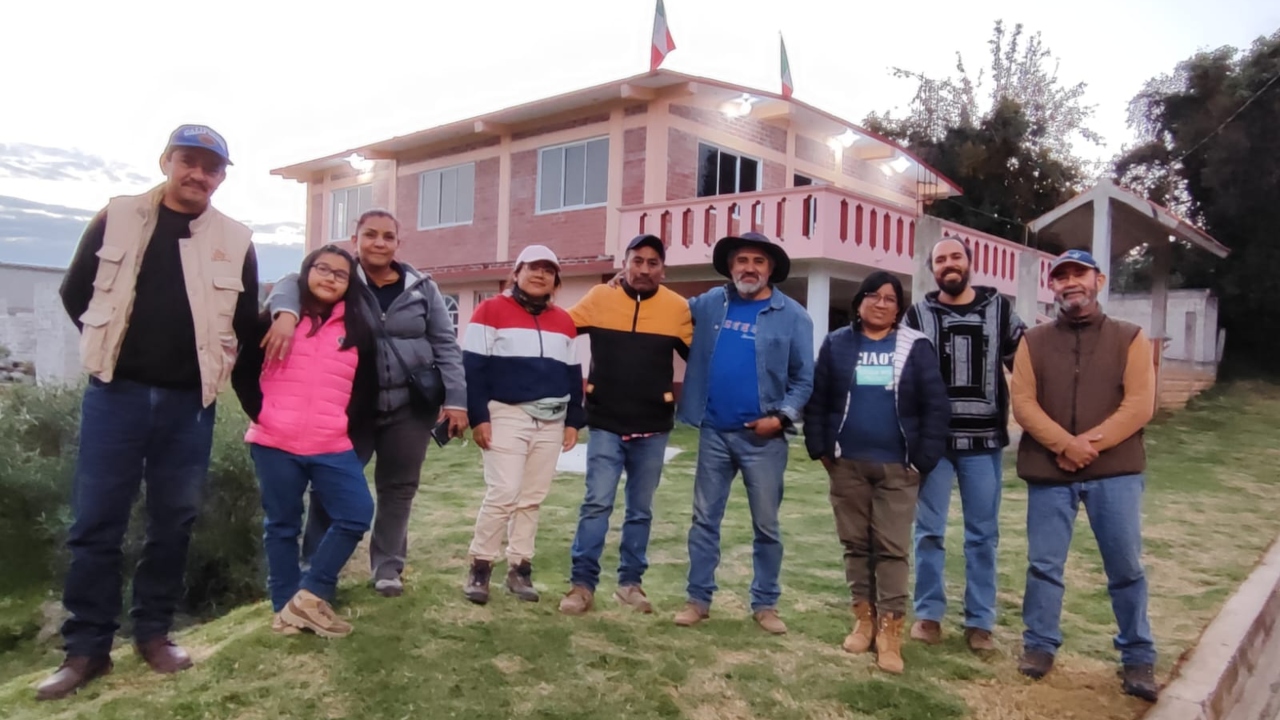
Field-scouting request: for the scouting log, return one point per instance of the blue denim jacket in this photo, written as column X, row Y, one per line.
column 784, row 355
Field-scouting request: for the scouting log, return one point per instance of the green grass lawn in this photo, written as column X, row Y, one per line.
column 1212, row 507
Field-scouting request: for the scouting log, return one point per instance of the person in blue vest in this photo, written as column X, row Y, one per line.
column 749, row 375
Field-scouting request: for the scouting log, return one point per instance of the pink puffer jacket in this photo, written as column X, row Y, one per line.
column 305, row 397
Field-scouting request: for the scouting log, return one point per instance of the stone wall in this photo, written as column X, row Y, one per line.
column 34, row 327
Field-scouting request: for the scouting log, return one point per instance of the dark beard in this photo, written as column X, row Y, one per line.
column 953, row 286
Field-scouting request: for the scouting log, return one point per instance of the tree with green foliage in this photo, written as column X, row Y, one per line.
column 1007, row 143
column 1210, row 149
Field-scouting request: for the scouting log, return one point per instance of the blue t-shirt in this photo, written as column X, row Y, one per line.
column 871, row 432
column 733, row 393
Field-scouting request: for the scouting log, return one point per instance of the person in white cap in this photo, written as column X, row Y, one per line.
column 524, row 400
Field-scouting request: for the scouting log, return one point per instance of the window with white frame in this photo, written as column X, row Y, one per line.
column 573, row 176
column 446, row 196
column 451, row 304
column 805, row 181
column 721, row 172
column 482, row 295
column 348, row 205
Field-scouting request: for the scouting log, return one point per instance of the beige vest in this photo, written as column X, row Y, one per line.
column 212, row 265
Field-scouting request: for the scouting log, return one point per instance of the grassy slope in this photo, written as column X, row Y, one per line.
column 1211, row 509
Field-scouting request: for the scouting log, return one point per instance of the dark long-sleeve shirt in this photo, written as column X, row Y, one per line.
column 159, row 346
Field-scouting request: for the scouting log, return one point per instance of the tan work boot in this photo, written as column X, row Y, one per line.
column 864, row 629
column 691, row 614
column 889, row 642
column 928, row 632
column 280, row 627
column 979, row 641
column 768, row 620
column 308, row 612
column 577, row 601
column 633, row 597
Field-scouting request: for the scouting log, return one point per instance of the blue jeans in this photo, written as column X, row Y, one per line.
column 607, row 456
column 337, row 483
column 1114, row 506
column 131, row 433
column 979, row 475
column 721, row 455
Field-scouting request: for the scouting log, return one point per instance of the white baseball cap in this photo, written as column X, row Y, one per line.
column 534, row 253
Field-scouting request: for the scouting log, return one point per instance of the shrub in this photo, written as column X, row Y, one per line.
column 39, row 431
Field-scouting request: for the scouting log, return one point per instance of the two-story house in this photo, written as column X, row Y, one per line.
column 686, row 158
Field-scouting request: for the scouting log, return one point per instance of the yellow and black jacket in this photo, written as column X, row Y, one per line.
column 630, row 387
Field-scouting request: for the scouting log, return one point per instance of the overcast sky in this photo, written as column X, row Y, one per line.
column 91, row 89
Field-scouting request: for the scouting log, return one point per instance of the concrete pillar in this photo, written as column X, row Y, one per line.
column 1101, row 248
column 818, row 303
column 1027, row 305
column 928, row 234
column 1160, row 262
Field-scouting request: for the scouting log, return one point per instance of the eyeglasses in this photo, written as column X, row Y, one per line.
column 882, row 300
column 325, row 271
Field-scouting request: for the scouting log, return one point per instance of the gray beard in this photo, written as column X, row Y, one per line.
column 746, row 288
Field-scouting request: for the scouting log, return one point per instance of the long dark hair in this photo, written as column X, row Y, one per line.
column 358, row 330
column 873, row 283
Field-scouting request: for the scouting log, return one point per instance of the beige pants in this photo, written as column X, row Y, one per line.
column 518, row 469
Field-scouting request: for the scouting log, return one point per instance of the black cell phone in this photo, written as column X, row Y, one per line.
column 440, row 433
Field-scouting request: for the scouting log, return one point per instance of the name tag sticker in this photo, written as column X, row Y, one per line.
column 881, row 375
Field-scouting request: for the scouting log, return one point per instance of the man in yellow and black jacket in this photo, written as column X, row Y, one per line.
column 634, row 327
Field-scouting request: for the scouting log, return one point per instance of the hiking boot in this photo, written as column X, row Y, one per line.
column 633, row 597
column 163, row 656
column 691, row 614
column 768, row 620
column 577, row 601
column 979, row 641
column 928, row 632
column 889, row 642
column 864, row 629
column 280, row 627
column 389, row 587
column 1035, row 664
column 476, row 588
column 306, row 611
column 1140, row 682
column 75, row 672
column 520, row 581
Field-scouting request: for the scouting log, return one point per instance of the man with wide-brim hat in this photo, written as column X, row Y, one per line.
column 749, row 376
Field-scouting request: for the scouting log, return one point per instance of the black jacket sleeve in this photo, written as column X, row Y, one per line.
column 77, row 284
column 248, row 369
column 934, row 405
column 818, row 408
column 245, row 320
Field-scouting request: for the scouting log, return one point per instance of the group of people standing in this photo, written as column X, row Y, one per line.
column 357, row 356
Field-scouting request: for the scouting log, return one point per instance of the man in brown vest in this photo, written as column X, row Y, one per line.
column 161, row 287
column 1083, row 388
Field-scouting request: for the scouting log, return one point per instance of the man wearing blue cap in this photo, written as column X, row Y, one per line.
column 162, row 286
column 1083, row 388
column 749, row 376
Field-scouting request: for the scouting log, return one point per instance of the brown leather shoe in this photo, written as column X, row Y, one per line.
column 74, row 673
column 928, row 632
column 979, row 641
column 163, row 656
column 520, row 581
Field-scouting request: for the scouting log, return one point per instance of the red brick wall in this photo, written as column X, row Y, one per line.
column 639, row 109
column 633, row 146
column 775, row 176
column 818, row 153
column 458, row 245
column 754, row 131
column 571, row 234
column 868, row 172
column 565, row 125
column 682, row 165
column 421, row 154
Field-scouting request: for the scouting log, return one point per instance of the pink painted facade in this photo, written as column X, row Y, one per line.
column 632, row 156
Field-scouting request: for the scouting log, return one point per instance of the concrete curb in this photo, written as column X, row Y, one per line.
column 1233, row 673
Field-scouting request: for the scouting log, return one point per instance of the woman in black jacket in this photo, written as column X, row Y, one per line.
column 877, row 420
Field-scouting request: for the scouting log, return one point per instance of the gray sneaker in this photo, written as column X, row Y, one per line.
column 389, row 588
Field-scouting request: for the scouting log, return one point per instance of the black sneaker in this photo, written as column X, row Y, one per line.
column 477, row 587
column 1035, row 664
column 1140, row 682
column 520, row 581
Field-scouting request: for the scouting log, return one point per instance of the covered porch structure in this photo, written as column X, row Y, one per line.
column 1110, row 222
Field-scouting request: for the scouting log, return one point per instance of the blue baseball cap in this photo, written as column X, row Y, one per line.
column 200, row 136
column 1079, row 257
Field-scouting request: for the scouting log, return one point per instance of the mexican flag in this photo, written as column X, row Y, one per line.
column 662, row 42
column 787, row 86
